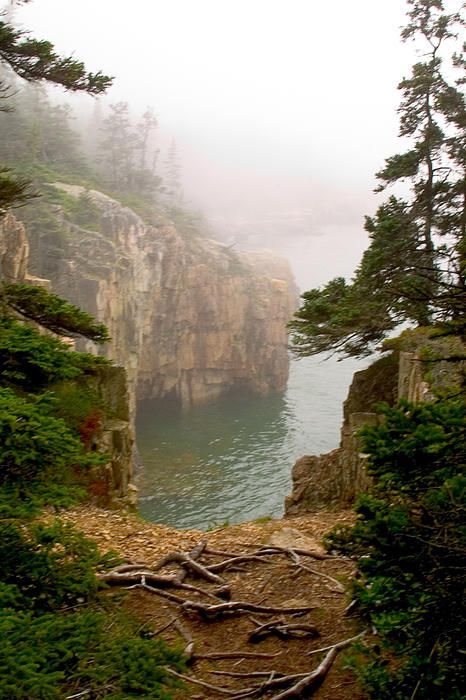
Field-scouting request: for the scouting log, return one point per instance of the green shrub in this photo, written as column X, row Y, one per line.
column 31, row 361
column 410, row 542
column 52, row 312
column 35, row 445
column 25, row 500
column 55, row 638
column 74, row 402
column 53, row 656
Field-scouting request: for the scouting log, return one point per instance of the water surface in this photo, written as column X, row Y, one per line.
column 231, row 461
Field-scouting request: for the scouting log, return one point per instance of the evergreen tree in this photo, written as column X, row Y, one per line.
column 172, row 175
column 146, row 179
column 414, row 267
column 36, row 61
column 116, row 147
column 126, row 155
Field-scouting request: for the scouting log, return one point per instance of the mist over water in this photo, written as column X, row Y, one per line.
column 231, row 461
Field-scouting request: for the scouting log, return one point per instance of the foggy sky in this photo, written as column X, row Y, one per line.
column 282, row 110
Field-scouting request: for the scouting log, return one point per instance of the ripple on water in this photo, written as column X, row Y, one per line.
column 231, row 461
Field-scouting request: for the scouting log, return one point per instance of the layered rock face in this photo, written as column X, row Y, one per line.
column 190, row 318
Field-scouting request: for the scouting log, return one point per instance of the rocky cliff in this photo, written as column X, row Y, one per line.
column 334, row 479
column 111, row 482
column 190, row 318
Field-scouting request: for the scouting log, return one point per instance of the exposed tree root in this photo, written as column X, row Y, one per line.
column 189, row 648
column 337, row 586
column 282, row 630
column 298, row 682
column 235, row 560
column 235, row 655
column 209, row 612
column 204, row 684
column 187, row 561
column 314, row 679
column 155, row 581
column 195, row 563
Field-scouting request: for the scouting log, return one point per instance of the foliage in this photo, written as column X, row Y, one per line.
column 126, row 158
column 35, row 445
column 36, row 60
column 84, row 212
column 54, row 638
column 50, row 567
column 414, row 269
column 52, row 312
column 333, row 318
column 14, row 190
column 58, row 636
column 43, row 441
column 74, row 401
column 23, row 500
column 31, row 361
column 410, row 542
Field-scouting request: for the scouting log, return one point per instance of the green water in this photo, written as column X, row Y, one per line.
column 231, row 461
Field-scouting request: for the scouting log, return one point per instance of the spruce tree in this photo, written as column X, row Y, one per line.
column 414, row 267
column 35, row 61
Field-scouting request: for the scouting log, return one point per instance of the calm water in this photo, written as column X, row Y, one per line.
column 231, row 461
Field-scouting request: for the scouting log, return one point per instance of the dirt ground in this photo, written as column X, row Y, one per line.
column 275, row 582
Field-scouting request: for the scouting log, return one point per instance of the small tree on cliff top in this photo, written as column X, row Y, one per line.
column 414, row 269
column 35, row 60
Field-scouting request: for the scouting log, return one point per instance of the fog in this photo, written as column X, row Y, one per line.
column 282, row 111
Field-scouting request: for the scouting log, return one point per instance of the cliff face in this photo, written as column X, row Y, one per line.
column 190, row 319
column 333, row 480
column 112, row 482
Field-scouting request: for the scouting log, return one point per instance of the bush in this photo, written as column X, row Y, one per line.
column 31, row 362
column 409, row 541
column 52, row 312
column 35, row 445
column 50, row 645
